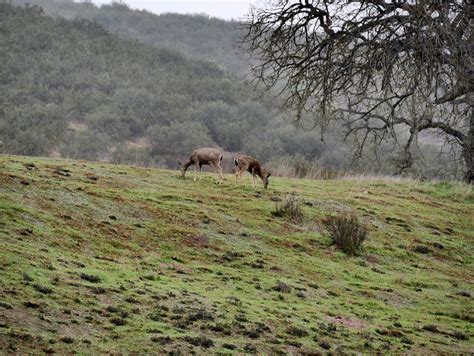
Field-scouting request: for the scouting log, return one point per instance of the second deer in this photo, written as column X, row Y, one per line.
column 247, row 163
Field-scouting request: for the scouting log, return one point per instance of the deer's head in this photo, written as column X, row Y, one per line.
column 265, row 178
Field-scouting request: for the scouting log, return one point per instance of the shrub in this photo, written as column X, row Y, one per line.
column 346, row 232
column 296, row 331
column 91, row 278
column 282, row 288
column 290, row 208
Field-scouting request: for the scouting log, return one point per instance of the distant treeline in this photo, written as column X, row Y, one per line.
column 70, row 88
column 196, row 36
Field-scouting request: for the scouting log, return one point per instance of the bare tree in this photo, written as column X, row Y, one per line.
column 376, row 64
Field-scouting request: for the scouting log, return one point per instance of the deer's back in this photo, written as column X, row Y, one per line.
column 206, row 154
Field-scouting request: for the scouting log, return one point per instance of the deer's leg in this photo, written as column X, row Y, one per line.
column 238, row 174
column 196, row 165
column 218, row 169
column 253, row 177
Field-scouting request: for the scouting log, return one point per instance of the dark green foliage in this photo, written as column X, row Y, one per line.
column 198, row 36
column 71, row 89
column 346, row 232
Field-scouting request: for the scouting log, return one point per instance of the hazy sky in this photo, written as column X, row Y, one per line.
column 227, row 9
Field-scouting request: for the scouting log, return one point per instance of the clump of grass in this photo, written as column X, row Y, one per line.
column 200, row 314
column 282, row 288
column 430, row 327
column 67, row 339
column 289, row 208
column 346, row 232
column 201, row 340
column 162, row 340
column 229, row 346
column 324, row 344
column 42, row 289
column 118, row 321
column 422, row 249
column 296, row 331
column 91, row 278
column 459, row 335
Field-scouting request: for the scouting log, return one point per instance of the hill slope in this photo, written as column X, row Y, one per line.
column 105, row 258
column 197, row 36
column 71, row 89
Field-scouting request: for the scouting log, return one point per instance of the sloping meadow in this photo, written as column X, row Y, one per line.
column 107, row 258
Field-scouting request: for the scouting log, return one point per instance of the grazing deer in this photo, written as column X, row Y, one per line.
column 204, row 156
column 251, row 165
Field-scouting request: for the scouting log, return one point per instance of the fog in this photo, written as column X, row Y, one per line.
column 225, row 9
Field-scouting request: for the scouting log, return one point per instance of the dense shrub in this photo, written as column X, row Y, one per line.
column 346, row 232
column 289, row 208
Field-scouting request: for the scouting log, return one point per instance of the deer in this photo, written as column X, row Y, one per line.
column 204, row 156
column 247, row 163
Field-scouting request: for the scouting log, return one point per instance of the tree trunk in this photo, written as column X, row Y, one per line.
column 468, row 152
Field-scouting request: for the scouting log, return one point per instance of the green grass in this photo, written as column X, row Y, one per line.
column 141, row 260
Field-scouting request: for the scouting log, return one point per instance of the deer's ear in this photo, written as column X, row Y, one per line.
column 269, row 174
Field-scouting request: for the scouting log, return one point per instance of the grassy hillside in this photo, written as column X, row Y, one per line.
column 105, row 258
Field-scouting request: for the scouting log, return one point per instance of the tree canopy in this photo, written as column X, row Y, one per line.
column 375, row 64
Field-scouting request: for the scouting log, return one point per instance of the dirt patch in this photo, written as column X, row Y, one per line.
column 393, row 299
column 348, row 322
column 196, row 241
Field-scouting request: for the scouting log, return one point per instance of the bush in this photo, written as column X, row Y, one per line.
column 290, row 208
column 346, row 232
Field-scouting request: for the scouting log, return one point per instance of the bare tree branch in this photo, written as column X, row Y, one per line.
column 375, row 64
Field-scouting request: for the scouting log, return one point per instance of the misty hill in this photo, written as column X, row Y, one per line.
column 70, row 88
column 100, row 258
column 196, row 36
